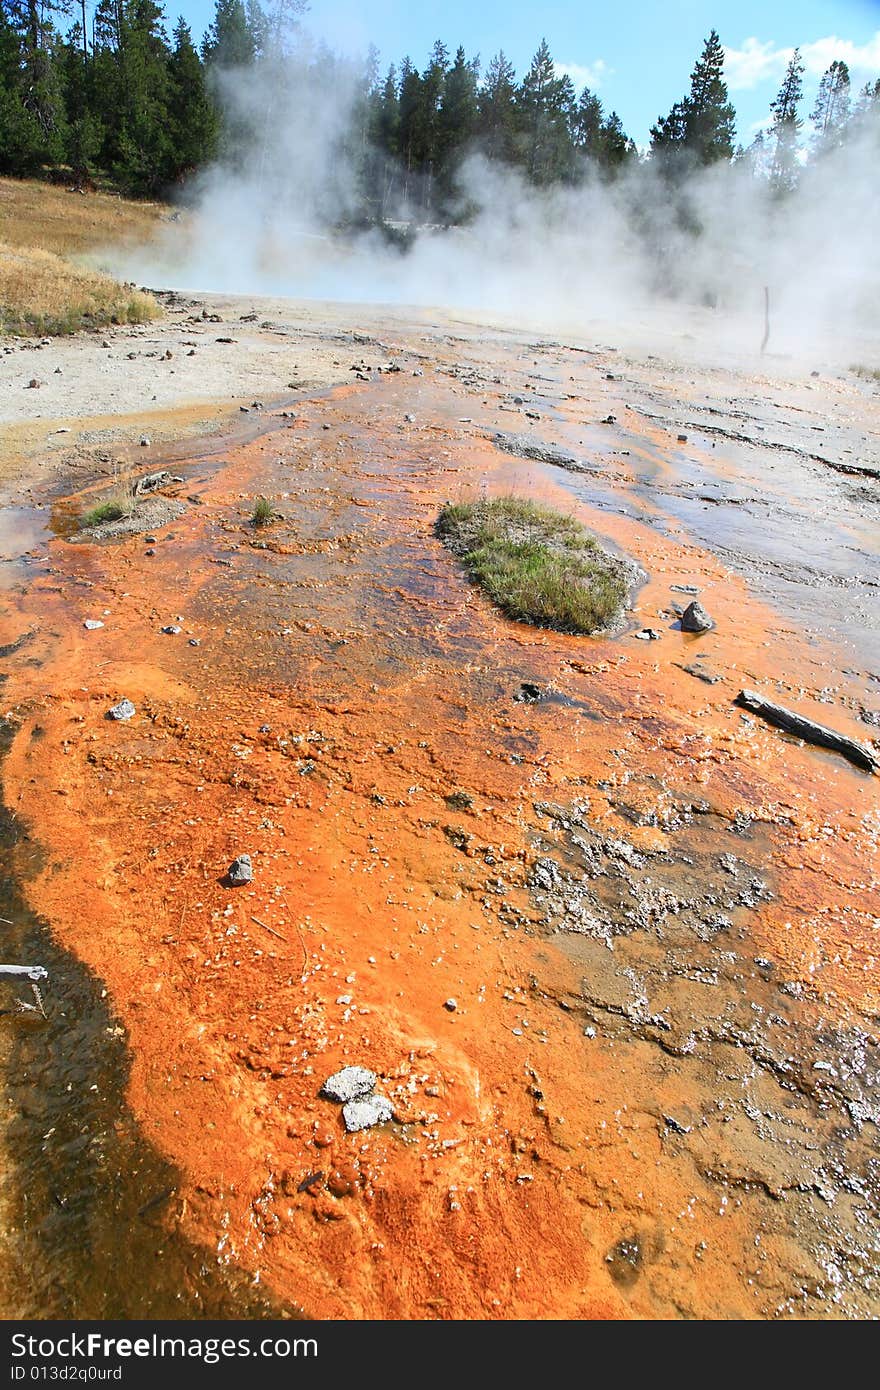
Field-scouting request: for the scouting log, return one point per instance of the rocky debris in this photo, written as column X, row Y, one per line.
column 708, row 677
column 362, row 1107
column 523, row 447
column 459, row 801
column 351, row 1083
column 124, row 710
column 365, row 1113
column 696, row 619
column 92, row 624
column 241, row 871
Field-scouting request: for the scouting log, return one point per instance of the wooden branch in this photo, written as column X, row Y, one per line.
column 24, row 972
column 859, row 753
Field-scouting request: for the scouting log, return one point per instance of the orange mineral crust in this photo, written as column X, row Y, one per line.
column 609, row 951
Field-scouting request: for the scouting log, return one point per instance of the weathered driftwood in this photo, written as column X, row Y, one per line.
column 24, row 972
column 859, row 753
column 150, row 481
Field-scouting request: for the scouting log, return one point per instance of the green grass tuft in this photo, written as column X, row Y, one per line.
column 104, row 511
column 538, row 565
column 263, row 512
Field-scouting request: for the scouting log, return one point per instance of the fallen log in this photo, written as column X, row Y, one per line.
column 859, row 753
column 24, row 972
column 150, row 481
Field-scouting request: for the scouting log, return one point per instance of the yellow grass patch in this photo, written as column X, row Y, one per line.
column 42, row 293
column 40, row 214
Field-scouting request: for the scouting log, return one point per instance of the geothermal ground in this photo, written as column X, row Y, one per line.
column 608, row 941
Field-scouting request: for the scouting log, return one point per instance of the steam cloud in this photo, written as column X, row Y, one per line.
column 558, row 260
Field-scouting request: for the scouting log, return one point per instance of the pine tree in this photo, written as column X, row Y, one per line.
column 588, row 124
column 710, row 117
column 699, row 128
column 546, row 106
column 831, row 111
column 786, row 125
column 457, row 117
column 230, row 41
column 35, row 85
column 193, row 121
column 496, row 108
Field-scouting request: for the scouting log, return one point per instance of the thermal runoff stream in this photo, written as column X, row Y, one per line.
column 607, row 940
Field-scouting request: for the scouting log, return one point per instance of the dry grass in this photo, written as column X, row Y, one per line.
column 41, row 293
column 538, row 565
column 73, row 224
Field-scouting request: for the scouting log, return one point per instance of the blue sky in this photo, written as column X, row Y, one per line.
column 637, row 55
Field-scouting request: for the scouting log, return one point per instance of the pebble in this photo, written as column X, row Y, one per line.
column 351, row 1083
column 172, row 630
column 451, row 1005
column 696, row 619
column 195, row 642
column 241, row 871
column 365, row 1113
column 124, row 710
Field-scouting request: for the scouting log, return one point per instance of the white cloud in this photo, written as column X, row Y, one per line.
column 757, row 62
column 590, row 75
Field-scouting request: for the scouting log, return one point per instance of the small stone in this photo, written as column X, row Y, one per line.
column 195, row 642
column 241, row 871
column 610, row 420
column 451, row 1005
column 33, row 384
column 172, row 630
column 529, row 693
column 682, row 439
column 518, row 400
column 145, row 441
column 92, row 624
column 648, row 634
column 352, row 1083
column 265, row 728
column 150, row 540
column 365, row 1113
column 124, row 710
column 696, row 619
column 410, row 419
column 150, row 551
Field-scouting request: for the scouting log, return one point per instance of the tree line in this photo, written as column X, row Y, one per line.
column 108, row 94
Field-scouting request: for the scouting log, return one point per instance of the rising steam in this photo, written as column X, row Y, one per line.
column 559, row 260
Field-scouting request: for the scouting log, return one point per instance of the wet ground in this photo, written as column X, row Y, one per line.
column 611, row 951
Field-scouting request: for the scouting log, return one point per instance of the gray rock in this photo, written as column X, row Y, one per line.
column 241, row 871
column 352, row 1083
column 124, row 710
column 363, row 1114
column 696, row 619
column 92, row 624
